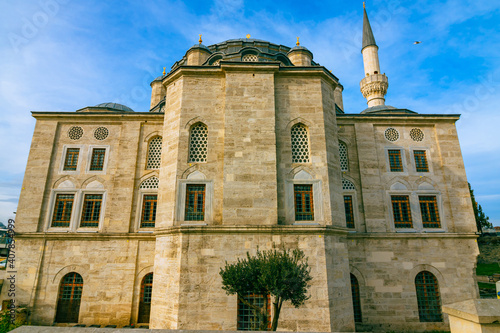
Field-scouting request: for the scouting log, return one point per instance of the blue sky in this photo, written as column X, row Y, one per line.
column 62, row 55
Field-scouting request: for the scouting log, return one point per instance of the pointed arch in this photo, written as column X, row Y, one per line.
column 65, row 179
column 91, row 180
column 150, row 183
column 297, row 169
column 296, row 121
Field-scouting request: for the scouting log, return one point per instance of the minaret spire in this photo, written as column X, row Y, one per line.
column 368, row 38
column 374, row 85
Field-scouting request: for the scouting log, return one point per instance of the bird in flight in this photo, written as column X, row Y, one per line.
column 417, row 42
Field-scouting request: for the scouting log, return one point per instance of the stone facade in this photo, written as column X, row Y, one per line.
column 249, row 176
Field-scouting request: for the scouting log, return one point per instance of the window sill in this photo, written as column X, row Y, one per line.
column 193, row 224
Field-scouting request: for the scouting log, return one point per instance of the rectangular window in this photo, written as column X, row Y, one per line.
column 91, row 210
column 62, row 210
column 304, row 210
column 395, row 161
column 248, row 319
column 148, row 216
column 349, row 212
column 97, row 161
column 195, row 203
column 429, row 210
column 421, row 161
column 401, row 210
column 71, row 159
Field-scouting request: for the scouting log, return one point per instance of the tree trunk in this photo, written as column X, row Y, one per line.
column 277, row 308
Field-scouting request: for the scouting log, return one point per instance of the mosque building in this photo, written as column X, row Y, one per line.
column 125, row 218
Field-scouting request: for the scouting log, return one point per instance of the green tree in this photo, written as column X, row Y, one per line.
column 283, row 274
column 482, row 221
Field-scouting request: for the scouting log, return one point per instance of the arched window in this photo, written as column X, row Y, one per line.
column 215, row 61
column 429, row 301
column 154, row 153
column 70, row 295
column 356, row 300
column 300, row 144
column 145, row 299
column 149, row 203
column 198, row 139
column 348, row 186
column 250, row 57
column 344, row 161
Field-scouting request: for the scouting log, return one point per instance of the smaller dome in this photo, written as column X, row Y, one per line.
column 114, row 106
column 299, row 47
column 199, row 46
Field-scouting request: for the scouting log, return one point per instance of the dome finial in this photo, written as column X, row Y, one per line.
column 248, row 36
column 200, row 41
column 164, row 70
column 298, row 43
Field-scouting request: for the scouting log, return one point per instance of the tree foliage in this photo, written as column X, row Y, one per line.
column 482, row 221
column 283, row 274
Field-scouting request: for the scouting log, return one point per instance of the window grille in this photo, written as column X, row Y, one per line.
column 250, row 58
column 344, row 161
column 150, row 183
column 216, row 62
column 70, row 294
column 148, row 215
column 416, row 134
column 401, row 211
column 62, row 210
column 248, row 319
column 300, row 144
column 395, row 162
column 391, row 134
column 428, row 298
column 347, row 185
column 349, row 212
column 356, row 300
column 71, row 159
column 195, row 203
column 91, row 210
column 97, row 161
column 421, row 161
column 304, row 209
column 101, row 133
column 198, row 139
column 154, row 153
column 429, row 211
column 145, row 299
column 75, row 132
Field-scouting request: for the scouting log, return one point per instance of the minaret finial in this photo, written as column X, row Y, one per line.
column 164, row 70
column 298, row 43
column 200, row 41
column 364, row 5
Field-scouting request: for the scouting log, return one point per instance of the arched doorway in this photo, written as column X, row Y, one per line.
column 145, row 299
column 70, row 295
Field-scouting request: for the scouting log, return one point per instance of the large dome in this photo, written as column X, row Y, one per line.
column 114, row 106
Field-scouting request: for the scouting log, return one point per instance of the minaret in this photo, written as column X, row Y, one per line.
column 374, row 85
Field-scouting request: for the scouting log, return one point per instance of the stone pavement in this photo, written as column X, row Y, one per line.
column 50, row 329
